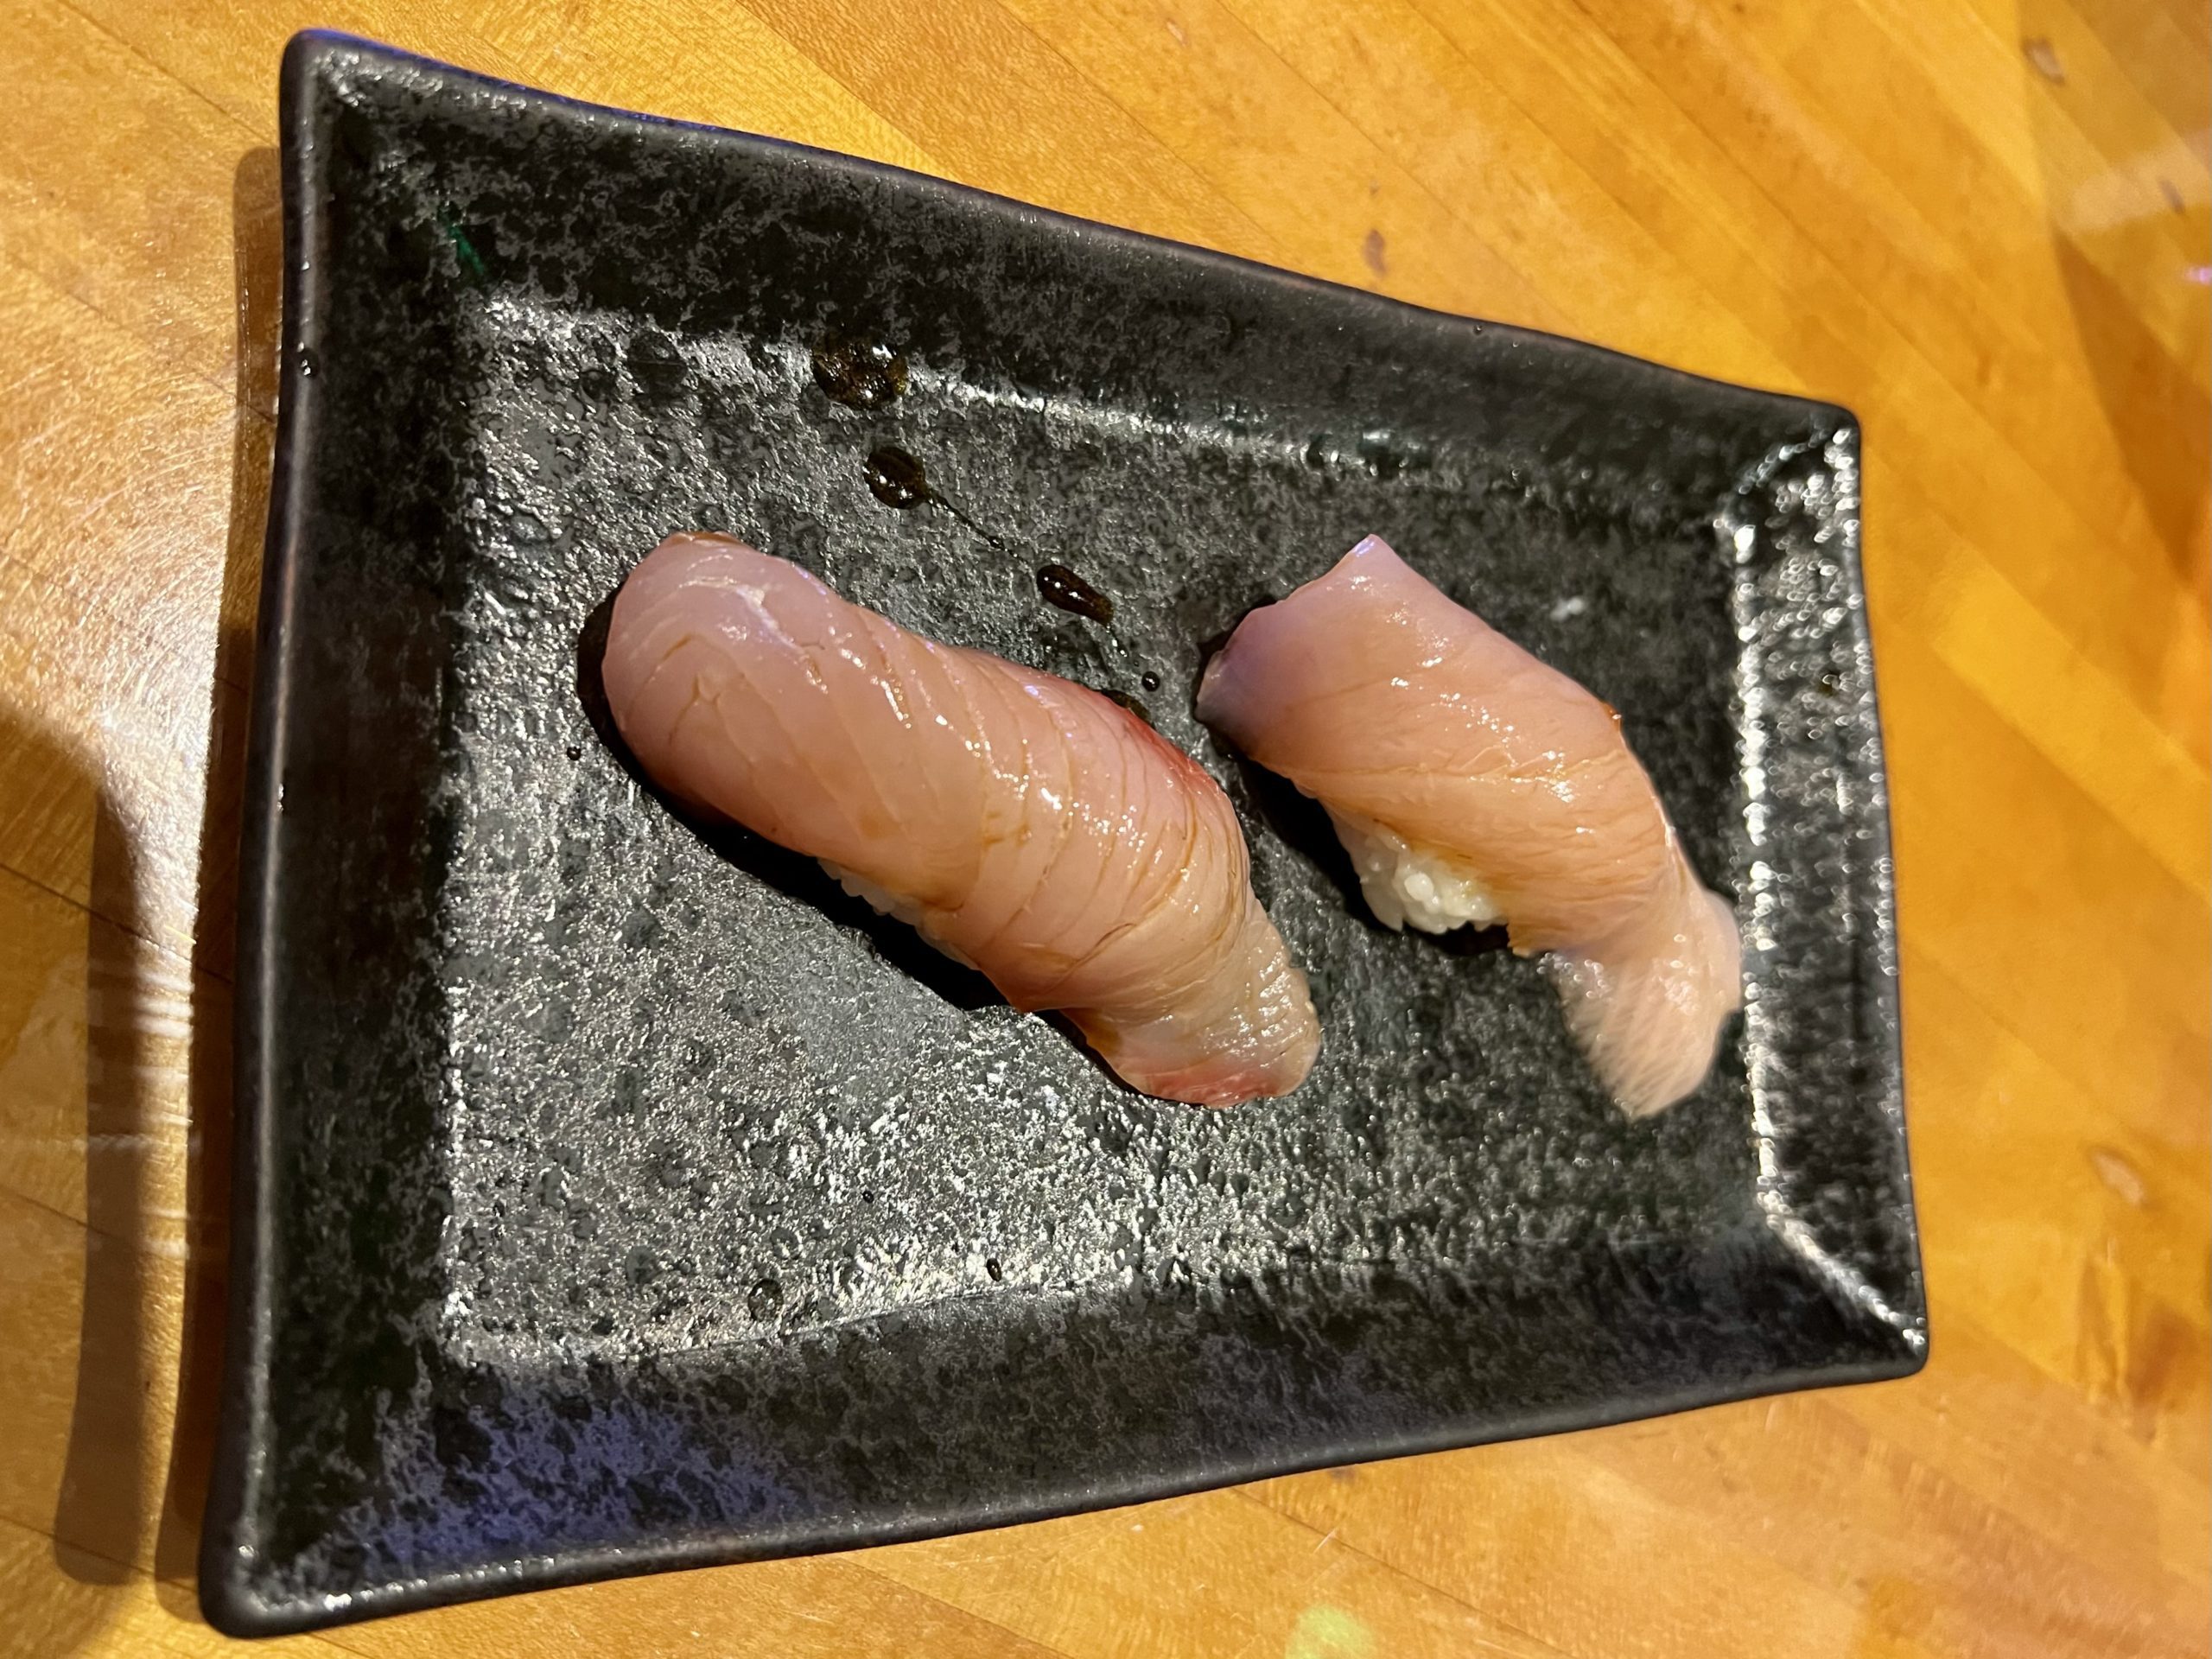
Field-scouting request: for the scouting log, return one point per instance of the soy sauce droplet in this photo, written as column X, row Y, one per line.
column 1150, row 682
column 895, row 478
column 1126, row 700
column 859, row 373
column 1061, row 586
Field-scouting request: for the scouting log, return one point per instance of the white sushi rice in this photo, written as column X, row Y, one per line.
column 1412, row 887
column 1406, row 885
column 887, row 903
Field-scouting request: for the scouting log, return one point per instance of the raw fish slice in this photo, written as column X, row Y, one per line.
column 1471, row 783
column 1027, row 826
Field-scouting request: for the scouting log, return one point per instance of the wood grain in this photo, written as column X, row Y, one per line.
column 1982, row 225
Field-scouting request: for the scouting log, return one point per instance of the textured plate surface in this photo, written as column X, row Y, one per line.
column 616, row 1196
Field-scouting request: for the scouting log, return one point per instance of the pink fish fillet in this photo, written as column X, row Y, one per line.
column 1472, row 783
column 1027, row 826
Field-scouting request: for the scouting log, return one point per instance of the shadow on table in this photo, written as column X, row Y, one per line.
column 101, row 1513
column 96, row 1524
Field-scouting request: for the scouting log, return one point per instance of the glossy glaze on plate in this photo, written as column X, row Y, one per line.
column 617, row 1197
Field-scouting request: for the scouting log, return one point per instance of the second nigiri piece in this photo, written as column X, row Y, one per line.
column 1026, row 826
column 1472, row 783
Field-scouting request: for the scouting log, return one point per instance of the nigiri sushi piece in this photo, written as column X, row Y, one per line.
column 1472, row 785
column 1027, row 826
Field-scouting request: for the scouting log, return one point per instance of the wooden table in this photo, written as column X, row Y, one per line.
column 1980, row 223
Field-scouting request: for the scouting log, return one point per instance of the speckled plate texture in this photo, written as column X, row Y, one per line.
column 616, row 1196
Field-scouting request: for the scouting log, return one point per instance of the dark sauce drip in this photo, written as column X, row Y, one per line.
column 1131, row 704
column 859, row 373
column 998, row 542
column 900, row 481
column 1061, row 586
column 1150, row 682
column 895, row 478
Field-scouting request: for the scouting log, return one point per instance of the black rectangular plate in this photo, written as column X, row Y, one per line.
column 616, row 1197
